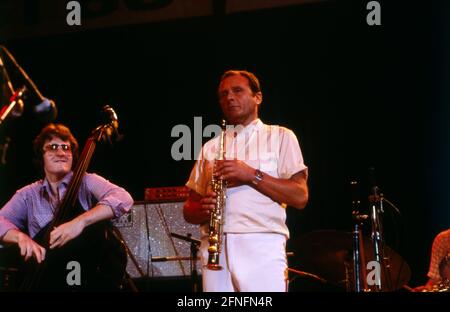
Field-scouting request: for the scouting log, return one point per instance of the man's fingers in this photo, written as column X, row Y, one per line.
column 29, row 252
column 56, row 243
column 38, row 253
column 226, row 163
column 43, row 252
column 63, row 241
column 58, row 238
column 232, row 184
column 208, row 200
column 208, row 205
column 54, row 235
column 23, row 249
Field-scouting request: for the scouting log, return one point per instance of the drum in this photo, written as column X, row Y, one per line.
column 300, row 281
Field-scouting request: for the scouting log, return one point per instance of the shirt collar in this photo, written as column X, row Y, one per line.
column 65, row 182
column 240, row 130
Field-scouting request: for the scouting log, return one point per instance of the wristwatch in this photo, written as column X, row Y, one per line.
column 258, row 177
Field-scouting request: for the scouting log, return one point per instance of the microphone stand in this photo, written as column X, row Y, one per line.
column 15, row 100
column 195, row 245
column 45, row 105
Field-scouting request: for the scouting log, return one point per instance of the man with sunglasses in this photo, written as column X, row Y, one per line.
column 32, row 207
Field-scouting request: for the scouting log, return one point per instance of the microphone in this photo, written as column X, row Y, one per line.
column 45, row 107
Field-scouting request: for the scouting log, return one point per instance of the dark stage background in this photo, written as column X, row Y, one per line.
column 355, row 95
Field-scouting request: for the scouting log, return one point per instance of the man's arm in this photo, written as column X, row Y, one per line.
column 113, row 201
column 28, row 247
column 12, row 218
column 292, row 191
column 60, row 235
column 69, row 230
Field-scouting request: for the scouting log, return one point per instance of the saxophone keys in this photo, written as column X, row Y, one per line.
column 212, row 249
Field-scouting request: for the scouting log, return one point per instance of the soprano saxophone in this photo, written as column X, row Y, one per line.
column 219, row 186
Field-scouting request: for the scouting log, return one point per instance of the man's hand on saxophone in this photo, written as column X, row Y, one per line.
column 208, row 202
column 235, row 172
column 197, row 208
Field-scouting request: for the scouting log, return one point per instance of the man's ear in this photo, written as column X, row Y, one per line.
column 259, row 98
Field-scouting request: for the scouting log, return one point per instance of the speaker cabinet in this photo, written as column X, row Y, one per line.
column 147, row 232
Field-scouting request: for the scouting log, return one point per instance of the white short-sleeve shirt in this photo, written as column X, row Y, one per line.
column 272, row 149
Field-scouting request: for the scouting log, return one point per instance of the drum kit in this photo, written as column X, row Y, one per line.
column 350, row 260
column 325, row 262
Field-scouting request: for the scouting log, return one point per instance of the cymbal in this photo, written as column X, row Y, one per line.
column 329, row 254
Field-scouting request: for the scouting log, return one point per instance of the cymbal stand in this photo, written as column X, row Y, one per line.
column 376, row 201
column 359, row 261
column 359, row 268
column 195, row 245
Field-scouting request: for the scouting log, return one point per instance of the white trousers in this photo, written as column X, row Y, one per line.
column 251, row 262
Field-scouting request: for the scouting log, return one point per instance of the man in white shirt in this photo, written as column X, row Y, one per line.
column 265, row 172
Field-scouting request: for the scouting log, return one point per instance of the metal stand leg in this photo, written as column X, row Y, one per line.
column 127, row 277
column 194, row 275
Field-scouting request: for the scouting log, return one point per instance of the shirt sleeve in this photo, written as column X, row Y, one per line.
column 198, row 179
column 440, row 248
column 290, row 158
column 109, row 194
column 14, row 214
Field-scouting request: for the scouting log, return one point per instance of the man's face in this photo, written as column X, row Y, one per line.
column 57, row 157
column 237, row 100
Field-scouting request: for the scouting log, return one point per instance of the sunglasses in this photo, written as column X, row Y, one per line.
column 54, row 147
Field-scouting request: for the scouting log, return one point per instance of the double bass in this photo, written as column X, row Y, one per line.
column 96, row 259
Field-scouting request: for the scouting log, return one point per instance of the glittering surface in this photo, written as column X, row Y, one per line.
column 160, row 220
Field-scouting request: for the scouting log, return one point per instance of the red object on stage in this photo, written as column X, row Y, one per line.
column 166, row 194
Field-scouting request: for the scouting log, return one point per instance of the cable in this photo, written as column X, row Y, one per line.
column 149, row 254
column 168, row 233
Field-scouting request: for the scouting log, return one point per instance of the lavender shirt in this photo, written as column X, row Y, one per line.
column 30, row 209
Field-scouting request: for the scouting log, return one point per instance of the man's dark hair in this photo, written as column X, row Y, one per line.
column 47, row 133
column 253, row 82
